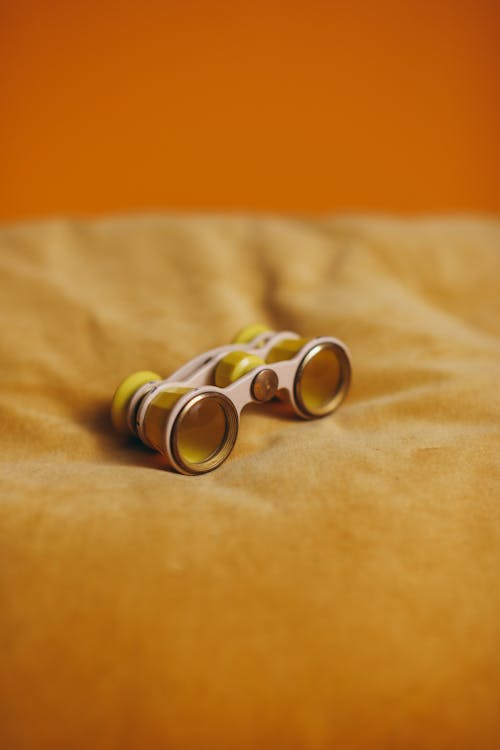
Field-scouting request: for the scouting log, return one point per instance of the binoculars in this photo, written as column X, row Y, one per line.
column 192, row 417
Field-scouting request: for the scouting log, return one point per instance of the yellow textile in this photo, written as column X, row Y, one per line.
column 336, row 583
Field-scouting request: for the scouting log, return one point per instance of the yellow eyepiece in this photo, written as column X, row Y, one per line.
column 234, row 365
column 249, row 333
column 123, row 396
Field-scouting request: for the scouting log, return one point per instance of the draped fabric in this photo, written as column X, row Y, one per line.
column 335, row 583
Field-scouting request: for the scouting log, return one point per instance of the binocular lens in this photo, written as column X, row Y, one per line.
column 204, row 432
column 322, row 379
column 201, row 431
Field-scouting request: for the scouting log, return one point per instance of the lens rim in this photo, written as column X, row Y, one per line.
column 227, row 444
column 345, row 379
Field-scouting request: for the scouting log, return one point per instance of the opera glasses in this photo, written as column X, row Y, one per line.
column 192, row 417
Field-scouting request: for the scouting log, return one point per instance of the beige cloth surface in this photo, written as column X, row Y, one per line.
column 335, row 584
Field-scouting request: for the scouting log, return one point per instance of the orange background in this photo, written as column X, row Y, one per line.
column 289, row 106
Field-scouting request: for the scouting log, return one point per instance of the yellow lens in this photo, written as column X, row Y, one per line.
column 322, row 380
column 201, row 431
column 204, row 432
